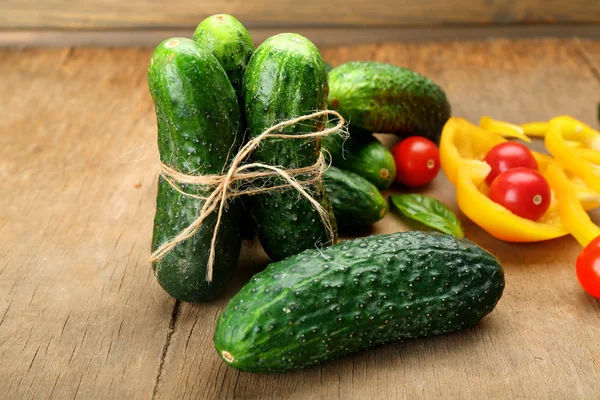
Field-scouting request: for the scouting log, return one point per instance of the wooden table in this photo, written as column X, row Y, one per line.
column 81, row 315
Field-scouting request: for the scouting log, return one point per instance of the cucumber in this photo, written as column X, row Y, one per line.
column 384, row 98
column 363, row 155
column 229, row 41
column 198, row 127
column 323, row 304
column 286, row 78
column 356, row 202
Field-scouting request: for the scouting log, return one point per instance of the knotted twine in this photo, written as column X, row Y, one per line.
column 238, row 182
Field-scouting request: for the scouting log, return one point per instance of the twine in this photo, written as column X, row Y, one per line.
column 228, row 186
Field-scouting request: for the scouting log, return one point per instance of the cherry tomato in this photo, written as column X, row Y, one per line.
column 588, row 268
column 508, row 155
column 417, row 161
column 523, row 191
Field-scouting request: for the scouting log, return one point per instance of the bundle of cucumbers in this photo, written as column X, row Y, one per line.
column 317, row 301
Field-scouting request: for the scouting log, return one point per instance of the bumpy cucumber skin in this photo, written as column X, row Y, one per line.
column 321, row 305
column 363, row 155
column 356, row 202
column 385, row 98
column 198, row 126
column 286, row 78
column 230, row 43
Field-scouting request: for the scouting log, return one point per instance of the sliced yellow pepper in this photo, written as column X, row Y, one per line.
column 462, row 149
column 535, row 129
column 461, row 140
column 463, row 146
column 494, row 218
column 576, row 220
column 562, row 184
column 504, row 129
column 563, row 129
column 589, row 155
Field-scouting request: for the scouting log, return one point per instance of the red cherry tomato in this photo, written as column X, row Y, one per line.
column 588, row 268
column 417, row 161
column 523, row 191
column 508, row 155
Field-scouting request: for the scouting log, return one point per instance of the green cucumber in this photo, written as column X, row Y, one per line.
column 285, row 79
column 356, row 202
column 198, row 127
column 363, row 155
column 324, row 304
column 230, row 43
column 385, row 98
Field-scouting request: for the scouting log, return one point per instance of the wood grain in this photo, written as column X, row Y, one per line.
column 539, row 343
column 81, row 315
column 322, row 37
column 288, row 13
column 590, row 52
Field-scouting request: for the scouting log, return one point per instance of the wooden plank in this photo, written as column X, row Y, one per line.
column 286, row 13
column 80, row 313
column 323, row 37
column 540, row 342
column 590, row 51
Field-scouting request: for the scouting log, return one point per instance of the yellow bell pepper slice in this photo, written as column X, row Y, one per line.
column 576, row 220
column 577, row 160
column 535, row 129
column 472, row 199
column 504, row 129
column 461, row 140
column 561, row 183
column 589, row 155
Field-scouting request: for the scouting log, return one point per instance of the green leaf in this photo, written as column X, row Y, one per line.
column 428, row 211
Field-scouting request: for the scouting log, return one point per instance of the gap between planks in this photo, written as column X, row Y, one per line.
column 586, row 59
column 165, row 348
column 336, row 36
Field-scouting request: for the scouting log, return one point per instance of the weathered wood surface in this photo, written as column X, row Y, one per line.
column 321, row 36
column 81, row 315
column 187, row 13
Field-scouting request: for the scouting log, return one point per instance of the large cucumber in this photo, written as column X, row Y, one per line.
column 356, row 202
column 286, row 78
column 385, row 98
column 364, row 155
column 229, row 41
column 323, row 304
column 198, row 127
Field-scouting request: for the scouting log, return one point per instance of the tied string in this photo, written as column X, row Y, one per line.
column 237, row 182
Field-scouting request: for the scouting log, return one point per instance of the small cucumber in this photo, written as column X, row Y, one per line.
column 363, row 155
column 198, row 127
column 229, row 41
column 323, row 304
column 384, row 98
column 356, row 202
column 285, row 79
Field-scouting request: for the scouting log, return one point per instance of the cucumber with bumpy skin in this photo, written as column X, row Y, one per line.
column 364, row 155
column 229, row 41
column 285, row 79
column 198, row 126
column 384, row 98
column 357, row 203
column 323, row 304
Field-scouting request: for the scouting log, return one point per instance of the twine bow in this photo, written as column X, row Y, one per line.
column 228, row 186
